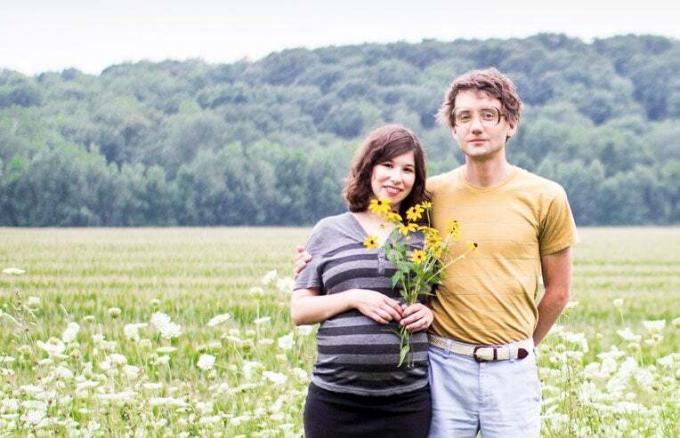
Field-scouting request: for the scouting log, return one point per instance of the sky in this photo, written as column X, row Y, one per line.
column 90, row 35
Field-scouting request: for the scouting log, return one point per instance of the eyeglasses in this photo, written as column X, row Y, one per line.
column 488, row 117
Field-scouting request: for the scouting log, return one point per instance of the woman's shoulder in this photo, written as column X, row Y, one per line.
column 332, row 222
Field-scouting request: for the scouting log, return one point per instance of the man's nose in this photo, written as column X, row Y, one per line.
column 476, row 124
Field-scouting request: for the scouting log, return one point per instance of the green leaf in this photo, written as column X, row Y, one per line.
column 403, row 353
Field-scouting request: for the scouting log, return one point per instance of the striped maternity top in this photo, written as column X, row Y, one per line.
column 356, row 354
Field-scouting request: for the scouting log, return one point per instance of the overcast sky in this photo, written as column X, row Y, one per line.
column 50, row 35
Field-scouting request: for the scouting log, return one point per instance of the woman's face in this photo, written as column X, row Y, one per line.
column 393, row 179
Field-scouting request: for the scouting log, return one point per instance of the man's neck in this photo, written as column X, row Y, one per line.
column 486, row 173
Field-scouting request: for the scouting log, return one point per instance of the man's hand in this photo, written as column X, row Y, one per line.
column 417, row 317
column 301, row 259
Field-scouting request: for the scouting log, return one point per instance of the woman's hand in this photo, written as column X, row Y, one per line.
column 417, row 317
column 380, row 308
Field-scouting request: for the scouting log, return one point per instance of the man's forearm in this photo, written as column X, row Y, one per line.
column 549, row 309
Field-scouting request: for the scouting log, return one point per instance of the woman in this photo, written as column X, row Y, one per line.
column 357, row 388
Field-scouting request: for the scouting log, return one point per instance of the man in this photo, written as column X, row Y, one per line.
column 483, row 373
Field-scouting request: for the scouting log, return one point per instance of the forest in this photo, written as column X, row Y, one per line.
column 268, row 142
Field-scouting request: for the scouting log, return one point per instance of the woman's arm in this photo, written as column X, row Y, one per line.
column 307, row 306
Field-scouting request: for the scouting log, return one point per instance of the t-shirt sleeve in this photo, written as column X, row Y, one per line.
column 558, row 229
column 310, row 276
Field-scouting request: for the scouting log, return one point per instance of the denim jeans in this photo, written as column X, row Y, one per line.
column 500, row 399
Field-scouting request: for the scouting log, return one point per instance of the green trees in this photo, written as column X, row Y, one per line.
column 269, row 142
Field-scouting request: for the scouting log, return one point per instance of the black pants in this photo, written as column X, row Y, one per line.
column 331, row 414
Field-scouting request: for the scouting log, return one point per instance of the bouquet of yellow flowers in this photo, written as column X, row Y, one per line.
column 417, row 271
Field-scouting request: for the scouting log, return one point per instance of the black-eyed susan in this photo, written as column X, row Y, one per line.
column 380, row 206
column 414, row 213
column 408, row 228
column 393, row 217
column 432, row 238
column 418, row 256
column 371, row 242
column 472, row 245
column 453, row 229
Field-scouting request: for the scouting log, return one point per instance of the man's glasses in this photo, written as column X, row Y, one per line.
column 488, row 117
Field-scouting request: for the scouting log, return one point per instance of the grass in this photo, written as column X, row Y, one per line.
column 104, row 279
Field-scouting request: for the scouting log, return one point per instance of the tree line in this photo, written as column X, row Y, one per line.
column 269, row 142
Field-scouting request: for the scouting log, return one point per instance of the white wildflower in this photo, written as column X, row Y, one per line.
column 300, row 374
column 627, row 335
column 654, row 326
column 256, row 291
column 275, row 378
column 63, row 372
column 131, row 371
column 70, row 333
column 167, row 401
column 219, row 319
column 33, row 302
column 114, row 312
column 206, row 421
column 269, row 277
column 13, row 271
column 206, row 362
column 618, row 303
column 54, row 347
column 34, row 417
column 118, row 359
column 118, row 396
column 285, row 285
column 286, row 342
column 262, row 320
column 131, row 331
column 168, row 329
column 571, row 304
column 265, row 341
column 305, row 330
column 7, row 360
column 166, row 349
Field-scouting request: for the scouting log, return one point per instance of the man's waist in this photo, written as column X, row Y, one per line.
column 485, row 352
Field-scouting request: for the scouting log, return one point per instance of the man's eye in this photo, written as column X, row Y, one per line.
column 489, row 115
column 464, row 118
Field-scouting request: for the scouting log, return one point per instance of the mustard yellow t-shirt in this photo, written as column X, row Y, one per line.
column 489, row 297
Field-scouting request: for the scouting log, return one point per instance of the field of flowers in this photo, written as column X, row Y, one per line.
column 185, row 332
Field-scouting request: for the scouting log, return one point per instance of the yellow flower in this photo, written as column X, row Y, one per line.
column 380, row 206
column 472, row 245
column 453, row 229
column 393, row 217
column 418, row 256
column 432, row 237
column 371, row 242
column 408, row 228
column 414, row 213
column 426, row 204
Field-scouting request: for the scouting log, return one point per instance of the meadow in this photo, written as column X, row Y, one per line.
column 185, row 332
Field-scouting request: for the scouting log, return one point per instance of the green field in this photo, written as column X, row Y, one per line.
column 106, row 376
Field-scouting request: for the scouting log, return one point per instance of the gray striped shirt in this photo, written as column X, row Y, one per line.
column 356, row 354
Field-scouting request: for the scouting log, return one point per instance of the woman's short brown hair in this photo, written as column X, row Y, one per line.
column 490, row 81
column 381, row 145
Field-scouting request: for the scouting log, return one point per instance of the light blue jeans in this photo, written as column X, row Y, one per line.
column 500, row 399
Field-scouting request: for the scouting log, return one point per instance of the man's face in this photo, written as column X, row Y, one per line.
column 480, row 129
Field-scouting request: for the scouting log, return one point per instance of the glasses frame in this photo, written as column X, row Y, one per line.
column 482, row 121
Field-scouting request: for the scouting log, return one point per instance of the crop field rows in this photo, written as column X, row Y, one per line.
column 185, row 332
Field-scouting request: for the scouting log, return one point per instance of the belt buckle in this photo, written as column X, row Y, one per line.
column 479, row 359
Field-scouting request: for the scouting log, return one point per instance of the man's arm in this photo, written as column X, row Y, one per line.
column 557, row 281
